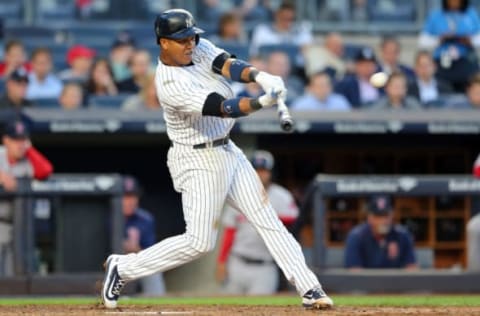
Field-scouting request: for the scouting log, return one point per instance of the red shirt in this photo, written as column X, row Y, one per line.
column 476, row 167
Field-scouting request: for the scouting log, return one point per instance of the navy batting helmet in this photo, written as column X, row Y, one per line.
column 176, row 24
column 262, row 159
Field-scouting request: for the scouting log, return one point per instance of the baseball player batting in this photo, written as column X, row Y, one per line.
column 207, row 168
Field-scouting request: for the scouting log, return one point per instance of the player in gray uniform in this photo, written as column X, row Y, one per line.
column 207, row 168
column 244, row 263
column 18, row 159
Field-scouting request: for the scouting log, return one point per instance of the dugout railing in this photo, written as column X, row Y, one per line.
column 84, row 222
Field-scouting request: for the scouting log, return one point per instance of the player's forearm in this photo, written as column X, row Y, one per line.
column 245, row 106
column 242, row 71
column 234, row 69
column 216, row 105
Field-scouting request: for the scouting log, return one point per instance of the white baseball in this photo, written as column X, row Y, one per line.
column 378, row 79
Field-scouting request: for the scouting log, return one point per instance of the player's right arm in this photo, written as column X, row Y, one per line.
column 189, row 98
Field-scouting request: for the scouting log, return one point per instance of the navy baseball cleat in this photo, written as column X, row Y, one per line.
column 112, row 284
column 317, row 299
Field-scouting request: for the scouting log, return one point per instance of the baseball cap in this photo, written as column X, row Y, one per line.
column 17, row 130
column 19, row 75
column 262, row 159
column 79, row 51
column 131, row 185
column 365, row 54
column 123, row 39
column 380, row 205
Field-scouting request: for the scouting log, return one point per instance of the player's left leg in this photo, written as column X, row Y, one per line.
column 204, row 187
column 249, row 196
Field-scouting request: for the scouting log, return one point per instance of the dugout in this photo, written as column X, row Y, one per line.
column 363, row 142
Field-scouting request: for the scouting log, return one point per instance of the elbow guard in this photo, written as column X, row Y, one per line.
column 218, row 63
column 236, row 68
column 213, row 105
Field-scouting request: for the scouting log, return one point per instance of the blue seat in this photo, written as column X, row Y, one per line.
column 46, row 103
column 107, row 101
column 26, row 31
column 2, row 86
column 239, row 50
column 391, row 10
column 291, row 50
column 61, row 10
column 11, row 10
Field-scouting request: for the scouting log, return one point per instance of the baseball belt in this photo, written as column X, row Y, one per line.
column 252, row 260
column 214, row 143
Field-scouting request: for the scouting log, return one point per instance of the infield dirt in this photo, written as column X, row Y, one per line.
column 212, row 310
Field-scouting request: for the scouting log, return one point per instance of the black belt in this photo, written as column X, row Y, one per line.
column 215, row 143
column 251, row 260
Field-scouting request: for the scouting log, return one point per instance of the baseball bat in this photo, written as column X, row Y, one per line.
column 286, row 121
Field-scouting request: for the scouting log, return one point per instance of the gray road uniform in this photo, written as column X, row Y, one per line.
column 251, row 267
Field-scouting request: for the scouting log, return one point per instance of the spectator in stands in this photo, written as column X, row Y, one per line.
column 284, row 30
column 16, row 89
column 146, row 99
column 378, row 243
column 389, row 62
column 84, row 8
column 328, row 58
column 319, row 96
column 120, row 54
column 140, row 68
column 71, row 97
column 454, row 32
column 210, row 11
column 252, row 89
column 100, row 81
column 473, row 95
column 473, row 231
column 80, row 59
column 230, row 30
column 357, row 87
column 396, row 97
column 43, row 84
column 18, row 158
column 426, row 87
column 278, row 64
column 15, row 57
column 139, row 233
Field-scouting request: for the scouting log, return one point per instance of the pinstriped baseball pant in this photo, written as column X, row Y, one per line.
column 207, row 179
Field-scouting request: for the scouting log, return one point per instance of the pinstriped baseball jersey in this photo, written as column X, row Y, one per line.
column 247, row 241
column 182, row 92
column 209, row 177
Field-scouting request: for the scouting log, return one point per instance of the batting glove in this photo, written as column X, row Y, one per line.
column 270, row 98
column 271, row 83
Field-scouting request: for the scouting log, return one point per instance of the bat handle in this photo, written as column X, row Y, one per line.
column 286, row 121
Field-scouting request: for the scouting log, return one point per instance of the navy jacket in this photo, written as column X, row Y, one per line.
column 363, row 250
column 349, row 87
